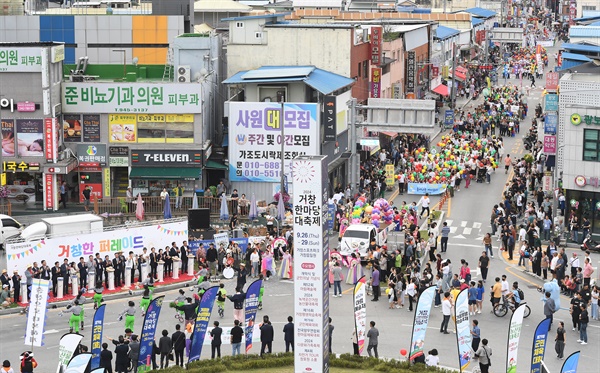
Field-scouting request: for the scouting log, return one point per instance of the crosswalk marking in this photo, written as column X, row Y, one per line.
column 477, row 225
column 460, row 236
column 463, row 223
column 449, row 222
column 453, row 230
column 467, row 230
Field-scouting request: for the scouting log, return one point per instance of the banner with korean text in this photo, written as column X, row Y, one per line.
column 360, row 313
column 539, row 346
column 252, row 296
column 255, row 138
column 311, row 271
column 463, row 332
column 422, row 314
column 19, row 254
column 66, row 348
column 201, row 324
column 79, row 363
column 514, row 333
column 570, row 365
column 148, row 332
column 36, row 316
column 97, row 326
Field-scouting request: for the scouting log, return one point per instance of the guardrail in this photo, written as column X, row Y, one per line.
column 155, row 205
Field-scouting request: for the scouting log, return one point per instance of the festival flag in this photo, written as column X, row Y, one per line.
column 201, row 324
column 97, row 326
column 463, row 331
column 252, row 296
column 36, row 316
column 360, row 313
column 514, row 333
column 422, row 314
column 539, row 346
column 79, row 363
column 66, row 348
column 148, row 331
column 570, row 365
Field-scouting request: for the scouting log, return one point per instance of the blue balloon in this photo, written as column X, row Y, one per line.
column 554, row 290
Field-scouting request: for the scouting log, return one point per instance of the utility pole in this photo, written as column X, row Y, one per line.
column 353, row 141
column 282, row 174
column 452, row 89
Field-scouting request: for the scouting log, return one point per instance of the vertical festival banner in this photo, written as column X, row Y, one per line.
column 79, row 363
column 539, row 346
column 252, row 296
column 463, row 332
column 360, row 313
column 570, row 365
column 97, row 326
column 66, row 348
column 422, row 314
column 148, row 332
column 36, row 316
column 514, row 333
column 201, row 325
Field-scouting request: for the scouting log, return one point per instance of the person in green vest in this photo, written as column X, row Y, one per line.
column 178, row 190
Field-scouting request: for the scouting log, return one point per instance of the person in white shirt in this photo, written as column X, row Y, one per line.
column 505, row 287
column 432, row 359
column 254, row 261
column 447, row 312
column 424, row 201
column 522, row 234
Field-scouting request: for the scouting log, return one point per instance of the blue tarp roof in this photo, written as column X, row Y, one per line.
column 581, row 47
column 480, row 12
column 443, row 32
column 323, row 81
column 584, row 32
column 575, row 57
column 476, row 21
column 583, row 19
column 595, row 24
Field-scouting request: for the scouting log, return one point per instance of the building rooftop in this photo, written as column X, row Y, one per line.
column 585, row 31
column 323, row 81
column 361, row 16
column 220, row 6
column 258, row 16
column 581, row 47
column 476, row 21
column 481, row 12
column 443, row 32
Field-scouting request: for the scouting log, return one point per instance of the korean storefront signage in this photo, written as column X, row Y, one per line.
column 78, row 128
column 376, row 41
column 30, row 137
column 550, row 123
column 329, row 118
column 151, row 98
column 376, row 82
column 411, row 73
column 12, row 166
column 549, row 144
column 551, row 102
column 176, row 158
column 119, row 156
column 14, row 59
column 26, row 106
column 552, row 81
column 311, row 296
column 50, row 135
column 107, row 181
column 49, row 192
column 576, row 119
column 582, row 181
column 91, row 154
column 255, row 138
column 57, row 53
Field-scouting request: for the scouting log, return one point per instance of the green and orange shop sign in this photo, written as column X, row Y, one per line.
column 589, row 120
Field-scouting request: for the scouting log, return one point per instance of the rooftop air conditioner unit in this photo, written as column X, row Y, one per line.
column 183, row 74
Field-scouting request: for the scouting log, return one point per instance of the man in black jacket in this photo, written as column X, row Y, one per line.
column 288, row 334
column 99, row 267
column 154, row 263
column 55, row 271
column 5, row 279
column 183, row 251
column 266, row 336
column 238, row 304
column 116, row 263
column 211, row 258
column 82, row 275
column 134, row 352
column 241, row 275
column 215, row 344
column 164, row 345
column 178, row 339
column 122, row 356
column 189, row 310
column 64, row 273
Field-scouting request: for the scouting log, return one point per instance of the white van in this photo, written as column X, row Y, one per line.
column 9, row 228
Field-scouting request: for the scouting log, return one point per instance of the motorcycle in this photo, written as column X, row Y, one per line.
column 590, row 244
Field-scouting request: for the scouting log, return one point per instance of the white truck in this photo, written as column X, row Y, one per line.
column 358, row 236
column 63, row 226
column 9, row 228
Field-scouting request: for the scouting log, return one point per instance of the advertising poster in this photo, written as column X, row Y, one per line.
column 376, row 42
column 360, row 313
column 551, row 123
column 122, row 128
column 463, row 331
column 539, row 346
column 72, row 127
column 570, row 365
column 14, row 59
column 97, row 325
column 8, row 137
column 422, row 314
column 201, row 324
column 30, row 137
column 551, row 102
column 549, row 144
column 149, row 331
column 376, row 82
column 329, row 118
column 389, row 174
column 311, row 271
column 514, row 333
column 422, row 188
column 66, row 348
column 252, row 295
column 36, row 316
column 255, row 138
column 19, row 254
column 91, row 128
column 79, row 363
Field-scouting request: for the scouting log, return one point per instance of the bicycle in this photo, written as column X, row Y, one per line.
column 501, row 309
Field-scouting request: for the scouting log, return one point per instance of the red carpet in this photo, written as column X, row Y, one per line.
column 157, row 285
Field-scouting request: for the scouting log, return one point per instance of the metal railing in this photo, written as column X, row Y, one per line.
column 6, row 208
column 155, row 205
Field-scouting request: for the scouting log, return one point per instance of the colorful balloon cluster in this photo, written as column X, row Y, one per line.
column 381, row 210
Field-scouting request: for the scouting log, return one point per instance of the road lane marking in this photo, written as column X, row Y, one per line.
column 467, row 230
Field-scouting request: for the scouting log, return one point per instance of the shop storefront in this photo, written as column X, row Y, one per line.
column 153, row 170
column 24, row 181
column 89, row 173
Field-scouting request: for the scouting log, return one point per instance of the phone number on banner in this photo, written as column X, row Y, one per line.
column 258, row 169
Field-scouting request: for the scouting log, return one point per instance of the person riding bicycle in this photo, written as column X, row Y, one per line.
column 180, row 301
column 98, row 294
column 202, row 274
column 221, row 297
column 203, row 286
column 146, row 299
column 513, row 297
column 189, row 310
